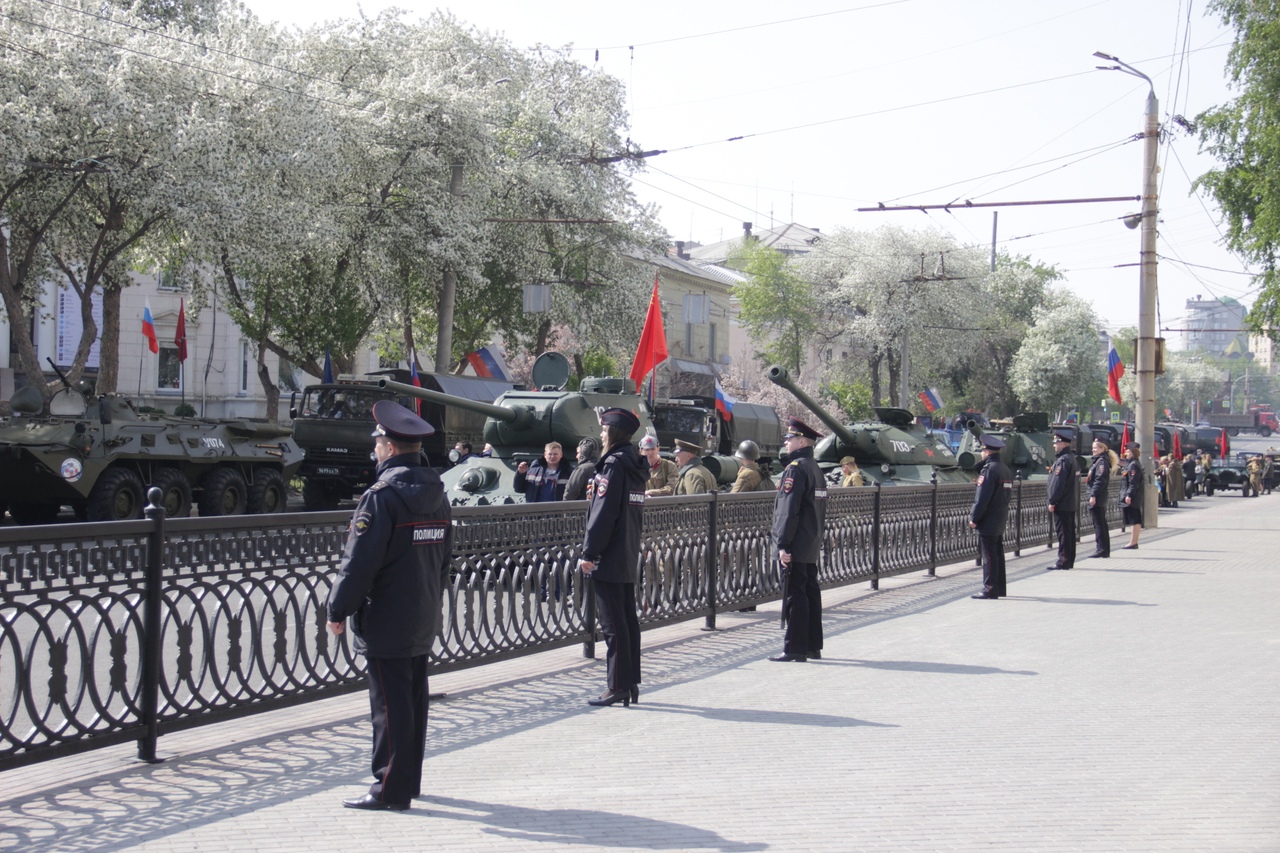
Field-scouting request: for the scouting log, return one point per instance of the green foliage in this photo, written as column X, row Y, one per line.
column 184, row 410
column 851, row 398
column 778, row 307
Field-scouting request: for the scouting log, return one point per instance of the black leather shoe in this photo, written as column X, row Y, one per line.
column 1130, row 547
column 815, row 655
column 612, row 697
column 1057, row 568
column 371, row 803
column 983, row 595
column 787, row 657
column 635, row 694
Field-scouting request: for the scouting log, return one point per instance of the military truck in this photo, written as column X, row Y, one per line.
column 696, row 420
column 332, row 423
column 100, row 458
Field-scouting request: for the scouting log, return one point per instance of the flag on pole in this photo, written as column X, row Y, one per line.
column 327, row 378
column 1177, row 444
column 1223, row 445
column 1124, row 438
column 724, row 403
column 149, row 328
column 488, row 364
column 415, row 381
column 180, row 337
column 932, row 401
column 1115, row 369
column 652, row 350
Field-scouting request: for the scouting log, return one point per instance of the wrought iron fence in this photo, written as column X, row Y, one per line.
column 111, row 632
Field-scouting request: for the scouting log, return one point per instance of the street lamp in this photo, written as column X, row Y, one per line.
column 1145, row 414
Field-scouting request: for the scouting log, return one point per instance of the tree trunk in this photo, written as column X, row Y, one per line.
column 109, row 347
column 873, row 368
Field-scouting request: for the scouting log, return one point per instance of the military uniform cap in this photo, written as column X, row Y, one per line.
column 795, row 426
column 620, row 418
column 398, row 423
column 649, row 442
column 688, row 446
column 991, row 442
column 849, row 460
column 1063, row 435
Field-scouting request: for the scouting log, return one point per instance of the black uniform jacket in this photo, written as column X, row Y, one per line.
column 615, row 517
column 1064, row 483
column 1099, row 478
column 1131, row 484
column 396, row 561
column 991, row 501
column 800, row 508
column 530, row 482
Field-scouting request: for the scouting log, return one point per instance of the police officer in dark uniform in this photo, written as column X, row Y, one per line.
column 1064, row 490
column 989, row 514
column 799, row 516
column 389, row 584
column 611, row 551
column 1098, row 481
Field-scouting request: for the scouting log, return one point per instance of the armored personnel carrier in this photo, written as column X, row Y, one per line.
column 893, row 450
column 521, row 423
column 100, row 458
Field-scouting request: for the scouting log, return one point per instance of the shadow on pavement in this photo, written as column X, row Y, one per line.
column 748, row 715
column 1047, row 600
column 926, row 666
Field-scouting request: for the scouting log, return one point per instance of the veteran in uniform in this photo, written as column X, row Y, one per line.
column 799, row 518
column 989, row 514
column 1064, row 492
column 695, row 479
column 389, row 584
column 611, row 552
column 750, row 478
column 663, row 473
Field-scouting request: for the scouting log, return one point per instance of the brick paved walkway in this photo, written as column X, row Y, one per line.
column 1130, row 704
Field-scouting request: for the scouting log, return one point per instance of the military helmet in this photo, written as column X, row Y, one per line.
column 748, row 450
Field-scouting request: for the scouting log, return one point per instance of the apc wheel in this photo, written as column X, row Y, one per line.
column 34, row 513
column 117, row 496
column 269, row 493
column 319, row 495
column 176, row 489
column 223, row 492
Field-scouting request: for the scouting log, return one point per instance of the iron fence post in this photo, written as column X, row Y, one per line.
column 875, row 539
column 149, row 689
column 933, row 527
column 1017, row 519
column 713, row 557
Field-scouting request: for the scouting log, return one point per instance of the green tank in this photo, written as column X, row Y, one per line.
column 100, row 458
column 892, row 450
column 520, row 424
column 1028, row 445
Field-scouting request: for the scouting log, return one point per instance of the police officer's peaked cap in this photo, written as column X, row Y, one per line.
column 1133, row 445
column 992, row 442
column 620, row 418
column 1063, row 435
column 795, row 426
column 688, row 446
column 398, row 423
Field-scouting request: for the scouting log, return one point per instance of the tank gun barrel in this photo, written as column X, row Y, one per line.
column 518, row 418
column 781, row 377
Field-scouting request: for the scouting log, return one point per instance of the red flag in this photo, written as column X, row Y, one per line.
column 1124, row 438
column 180, row 337
column 415, row 381
column 1222, row 443
column 653, row 340
column 1177, row 444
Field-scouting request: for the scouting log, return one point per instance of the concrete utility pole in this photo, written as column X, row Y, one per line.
column 1146, row 354
column 448, row 294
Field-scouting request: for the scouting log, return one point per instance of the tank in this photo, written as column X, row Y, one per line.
column 99, row 458
column 1028, row 445
column 519, row 424
column 893, row 450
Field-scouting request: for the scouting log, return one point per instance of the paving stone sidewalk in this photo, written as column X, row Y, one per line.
column 1129, row 704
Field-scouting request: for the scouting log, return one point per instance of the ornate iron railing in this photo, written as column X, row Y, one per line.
column 115, row 631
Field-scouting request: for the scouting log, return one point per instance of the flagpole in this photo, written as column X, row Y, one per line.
column 140, row 353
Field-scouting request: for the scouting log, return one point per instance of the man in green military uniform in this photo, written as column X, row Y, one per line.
column 695, row 479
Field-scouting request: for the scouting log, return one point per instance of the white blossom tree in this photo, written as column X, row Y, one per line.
column 1061, row 360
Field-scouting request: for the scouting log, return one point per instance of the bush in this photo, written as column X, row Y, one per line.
column 184, row 410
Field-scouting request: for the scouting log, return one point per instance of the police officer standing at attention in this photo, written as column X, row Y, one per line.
column 989, row 514
column 1097, row 483
column 695, row 479
column 799, row 516
column 1064, row 486
column 389, row 583
column 611, row 552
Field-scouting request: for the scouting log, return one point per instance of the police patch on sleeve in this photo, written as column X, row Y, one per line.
column 981, row 477
column 360, row 522
column 787, row 485
column 602, row 487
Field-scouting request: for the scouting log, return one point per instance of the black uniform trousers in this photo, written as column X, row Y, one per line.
column 802, row 604
column 1101, row 535
column 993, row 576
column 398, row 701
column 1066, row 539
column 616, row 609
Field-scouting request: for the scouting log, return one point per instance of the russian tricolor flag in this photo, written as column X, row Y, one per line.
column 724, row 403
column 1115, row 369
column 488, row 364
column 932, row 402
column 415, row 381
column 149, row 328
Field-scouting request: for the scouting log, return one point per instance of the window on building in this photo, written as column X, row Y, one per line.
column 169, row 370
column 244, row 369
column 688, row 338
column 711, row 343
column 171, row 278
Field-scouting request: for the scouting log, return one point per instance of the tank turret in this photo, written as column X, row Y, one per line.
column 891, row 450
column 520, row 424
column 1028, row 445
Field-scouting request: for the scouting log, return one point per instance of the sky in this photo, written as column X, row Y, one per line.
column 842, row 104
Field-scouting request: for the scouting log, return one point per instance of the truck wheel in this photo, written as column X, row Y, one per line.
column 176, row 489
column 268, row 492
column 1265, row 432
column 117, row 496
column 319, row 495
column 223, row 492
column 25, row 513
column 1232, row 431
